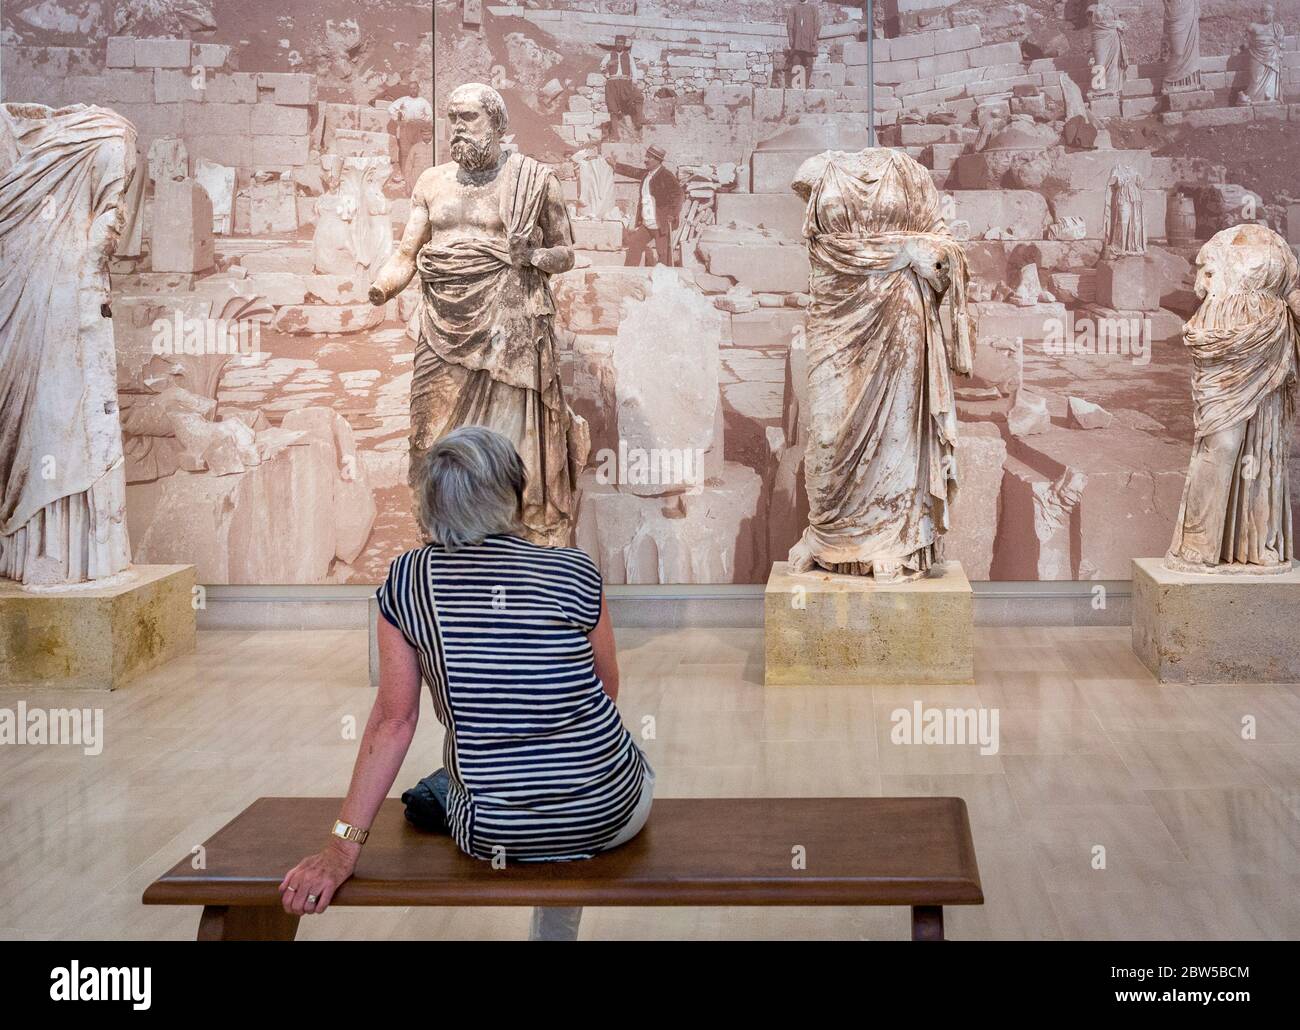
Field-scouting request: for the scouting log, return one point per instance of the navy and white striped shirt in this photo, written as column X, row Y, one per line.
column 540, row 765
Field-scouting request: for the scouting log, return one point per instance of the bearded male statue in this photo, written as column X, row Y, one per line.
column 485, row 233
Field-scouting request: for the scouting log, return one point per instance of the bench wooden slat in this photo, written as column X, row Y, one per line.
column 693, row 851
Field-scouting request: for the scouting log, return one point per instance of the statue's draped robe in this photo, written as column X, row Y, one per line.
column 62, row 475
column 486, row 356
column 595, row 185
column 1125, row 217
column 1236, row 507
column 1182, row 44
column 1264, row 48
column 879, row 467
column 1108, row 50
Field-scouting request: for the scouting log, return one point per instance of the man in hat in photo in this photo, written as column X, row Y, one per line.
column 658, row 208
column 622, row 95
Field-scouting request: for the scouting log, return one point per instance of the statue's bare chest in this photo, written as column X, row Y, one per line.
column 458, row 206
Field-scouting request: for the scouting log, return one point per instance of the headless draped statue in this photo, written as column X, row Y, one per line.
column 1264, row 52
column 1236, row 510
column 63, row 179
column 1182, row 45
column 486, row 232
column 880, row 468
column 1110, row 59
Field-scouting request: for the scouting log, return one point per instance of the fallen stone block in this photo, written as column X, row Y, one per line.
column 767, row 327
column 1038, row 517
column 181, row 233
column 1009, row 321
column 1022, row 213
column 168, row 159
column 597, row 234
column 763, row 266
column 287, row 258
column 781, row 213
column 1127, row 488
column 1029, row 415
column 1129, row 283
column 590, row 300
column 999, row 363
column 354, row 508
column 218, row 182
column 1087, row 415
column 973, row 524
column 273, row 207
column 666, row 387
column 710, row 537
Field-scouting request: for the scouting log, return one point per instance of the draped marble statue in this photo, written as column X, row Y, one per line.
column 1236, row 509
column 486, row 231
column 1182, row 45
column 1264, row 51
column 1125, row 213
column 880, row 469
column 595, row 185
column 1109, row 52
column 63, row 180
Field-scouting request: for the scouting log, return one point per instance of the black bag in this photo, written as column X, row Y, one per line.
column 423, row 809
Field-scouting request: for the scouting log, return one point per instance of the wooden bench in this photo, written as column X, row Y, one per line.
column 913, row 851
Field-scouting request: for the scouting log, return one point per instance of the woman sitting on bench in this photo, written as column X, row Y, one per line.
column 516, row 645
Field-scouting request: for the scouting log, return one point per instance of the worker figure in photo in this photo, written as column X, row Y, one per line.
column 658, row 209
column 622, row 95
column 803, row 26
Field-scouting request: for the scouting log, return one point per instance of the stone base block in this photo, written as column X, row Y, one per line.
column 783, row 213
column 597, row 234
column 1216, row 628
column 1129, row 283
column 96, row 637
column 829, row 629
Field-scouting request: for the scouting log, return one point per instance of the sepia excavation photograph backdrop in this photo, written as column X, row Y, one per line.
column 1084, row 153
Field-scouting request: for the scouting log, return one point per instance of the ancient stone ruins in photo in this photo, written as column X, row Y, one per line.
column 1080, row 154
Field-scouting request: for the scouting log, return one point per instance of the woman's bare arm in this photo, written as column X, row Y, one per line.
column 606, row 654
column 387, row 737
column 389, row 730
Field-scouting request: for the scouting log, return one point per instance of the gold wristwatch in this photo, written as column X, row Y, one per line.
column 349, row 832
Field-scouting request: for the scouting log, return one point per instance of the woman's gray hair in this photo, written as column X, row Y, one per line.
column 470, row 485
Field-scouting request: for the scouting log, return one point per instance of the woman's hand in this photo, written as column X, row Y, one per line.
column 308, row 888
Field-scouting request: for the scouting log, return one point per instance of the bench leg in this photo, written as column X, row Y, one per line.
column 927, row 922
column 246, row 923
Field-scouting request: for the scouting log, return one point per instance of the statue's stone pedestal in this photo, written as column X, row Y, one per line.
column 96, row 636
column 1216, row 628
column 830, row 629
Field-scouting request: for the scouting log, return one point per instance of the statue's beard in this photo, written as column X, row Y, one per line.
column 474, row 154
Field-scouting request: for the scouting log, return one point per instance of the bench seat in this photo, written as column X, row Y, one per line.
column 914, row 851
